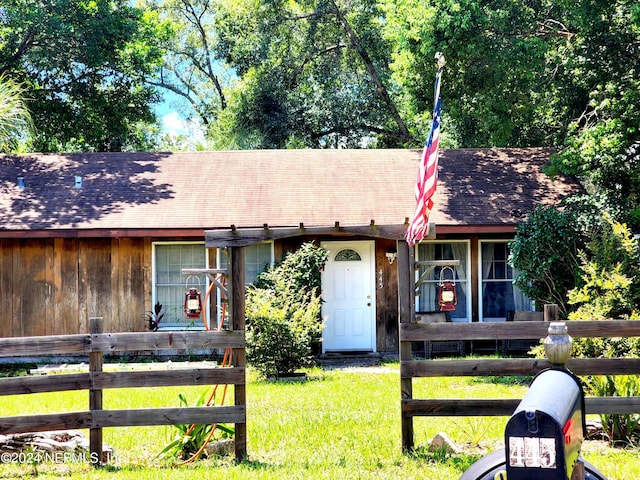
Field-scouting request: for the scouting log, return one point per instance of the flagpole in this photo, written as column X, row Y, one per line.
column 440, row 62
column 428, row 168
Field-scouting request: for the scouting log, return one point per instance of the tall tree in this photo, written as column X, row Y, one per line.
column 601, row 61
column 495, row 88
column 314, row 74
column 318, row 73
column 564, row 74
column 191, row 69
column 84, row 64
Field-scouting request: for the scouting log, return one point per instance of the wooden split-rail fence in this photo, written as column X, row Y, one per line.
column 96, row 345
column 411, row 368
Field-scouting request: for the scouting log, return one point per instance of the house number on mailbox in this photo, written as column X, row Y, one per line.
column 532, row 452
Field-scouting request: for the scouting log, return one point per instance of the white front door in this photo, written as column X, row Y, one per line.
column 348, row 291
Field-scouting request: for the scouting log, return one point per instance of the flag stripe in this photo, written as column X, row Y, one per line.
column 427, row 176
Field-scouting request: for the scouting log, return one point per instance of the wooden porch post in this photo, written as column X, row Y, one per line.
column 406, row 314
column 237, row 307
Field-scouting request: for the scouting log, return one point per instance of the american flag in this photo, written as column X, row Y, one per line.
column 428, row 171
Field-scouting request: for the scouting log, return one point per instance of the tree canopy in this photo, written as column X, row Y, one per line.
column 600, row 76
column 192, row 68
column 340, row 73
column 84, row 66
column 314, row 74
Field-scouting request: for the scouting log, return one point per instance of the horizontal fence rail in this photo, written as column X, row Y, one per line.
column 515, row 330
column 131, row 379
column 80, row 344
column 121, row 418
column 411, row 368
column 96, row 345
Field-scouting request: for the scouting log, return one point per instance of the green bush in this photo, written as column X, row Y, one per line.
column 554, row 248
column 298, row 273
column 618, row 428
column 610, row 276
column 545, row 254
column 283, row 312
column 614, row 347
column 280, row 332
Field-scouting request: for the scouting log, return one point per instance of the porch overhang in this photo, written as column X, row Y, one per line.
column 241, row 237
column 477, row 229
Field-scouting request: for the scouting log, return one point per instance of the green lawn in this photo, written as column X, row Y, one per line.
column 336, row 425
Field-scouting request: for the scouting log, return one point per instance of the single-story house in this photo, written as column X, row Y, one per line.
column 108, row 234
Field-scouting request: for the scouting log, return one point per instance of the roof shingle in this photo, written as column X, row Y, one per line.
column 209, row 190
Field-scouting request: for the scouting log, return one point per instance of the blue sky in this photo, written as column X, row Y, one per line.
column 174, row 123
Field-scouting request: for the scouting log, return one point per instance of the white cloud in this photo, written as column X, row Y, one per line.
column 186, row 134
column 173, row 124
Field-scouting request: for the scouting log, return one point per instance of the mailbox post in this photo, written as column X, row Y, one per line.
column 544, row 434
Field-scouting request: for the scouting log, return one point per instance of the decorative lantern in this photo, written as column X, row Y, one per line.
column 192, row 303
column 447, row 298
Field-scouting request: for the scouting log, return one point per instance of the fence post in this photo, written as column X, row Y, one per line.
column 406, row 314
column 95, row 396
column 237, row 307
column 551, row 312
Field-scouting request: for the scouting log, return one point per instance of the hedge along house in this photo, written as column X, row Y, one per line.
column 108, row 234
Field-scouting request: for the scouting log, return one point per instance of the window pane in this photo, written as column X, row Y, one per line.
column 427, row 301
column 499, row 270
column 348, row 255
column 499, row 294
column 171, row 285
column 497, row 299
column 257, row 257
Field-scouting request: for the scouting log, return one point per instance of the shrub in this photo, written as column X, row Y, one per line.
column 298, row 273
column 283, row 313
column 545, row 254
column 618, row 428
column 610, row 279
column 280, row 332
column 553, row 246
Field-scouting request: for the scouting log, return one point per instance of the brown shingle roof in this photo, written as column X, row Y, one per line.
column 208, row 190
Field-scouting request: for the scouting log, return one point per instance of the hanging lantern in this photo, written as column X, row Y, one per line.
column 192, row 302
column 447, row 298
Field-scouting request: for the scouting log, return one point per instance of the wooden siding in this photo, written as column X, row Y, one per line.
column 386, row 298
column 51, row 286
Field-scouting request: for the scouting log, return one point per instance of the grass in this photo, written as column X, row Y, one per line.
column 336, row 425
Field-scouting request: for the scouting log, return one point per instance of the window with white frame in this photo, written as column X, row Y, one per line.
column 257, row 258
column 427, row 301
column 170, row 285
column 499, row 295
